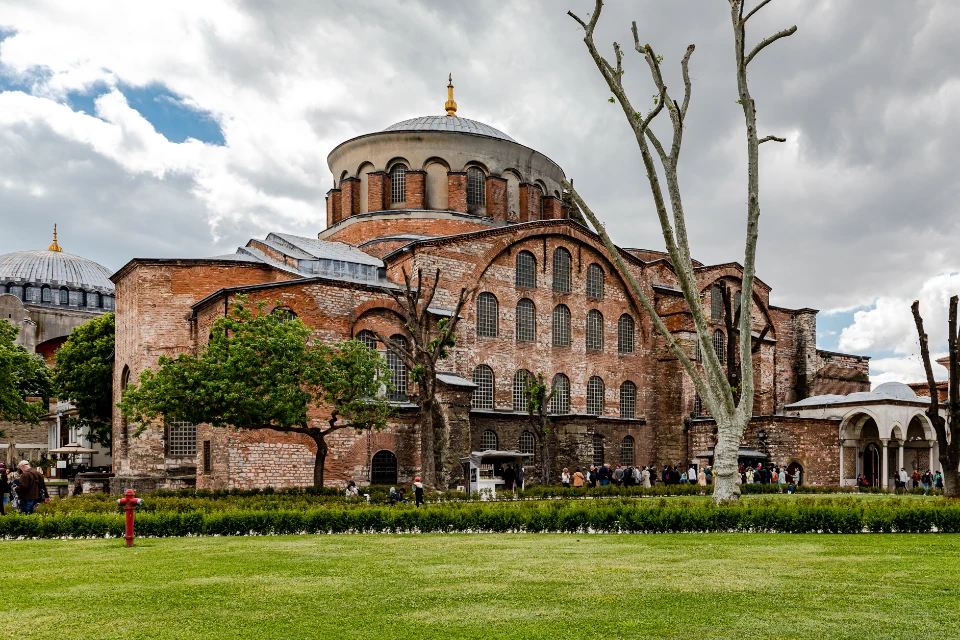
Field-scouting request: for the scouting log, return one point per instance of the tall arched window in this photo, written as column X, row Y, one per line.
column 16, row 290
column 398, row 183
column 561, row 326
column 526, row 270
column 595, row 281
column 487, row 313
column 625, row 334
column 628, row 400
column 383, row 468
column 626, row 451
column 594, row 330
column 483, row 395
column 521, row 382
column 368, row 339
column 476, row 186
column 560, row 402
column 489, row 441
column 562, row 261
column 45, row 295
column 716, row 303
column 595, row 396
column 526, row 321
column 720, row 346
column 528, row 443
column 398, row 371
column 597, row 449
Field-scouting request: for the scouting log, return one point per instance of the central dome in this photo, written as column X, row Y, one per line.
column 453, row 124
column 53, row 267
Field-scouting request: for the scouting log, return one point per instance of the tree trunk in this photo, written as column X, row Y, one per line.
column 545, row 461
column 726, row 475
column 428, row 464
column 320, row 461
column 951, row 485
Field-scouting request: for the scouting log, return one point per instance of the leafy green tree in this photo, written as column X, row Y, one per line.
column 539, row 396
column 22, row 374
column 260, row 370
column 84, row 376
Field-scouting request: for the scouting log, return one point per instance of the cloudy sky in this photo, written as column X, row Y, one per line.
column 186, row 128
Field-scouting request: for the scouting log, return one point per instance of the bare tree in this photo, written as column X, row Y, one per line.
column 430, row 342
column 731, row 321
column 731, row 415
column 947, row 428
column 538, row 396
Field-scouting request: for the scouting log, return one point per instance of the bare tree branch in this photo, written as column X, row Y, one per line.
column 685, row 68
column 744, row 19
column 771, row 139
column 760, row 47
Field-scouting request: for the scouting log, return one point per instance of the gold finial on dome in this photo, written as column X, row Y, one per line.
column 55, row 246
column 450, row 105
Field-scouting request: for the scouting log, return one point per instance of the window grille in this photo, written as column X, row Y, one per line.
column 697, row 356
column 594, row 330
column 595, row 281
column 528, row 443
column 398, row 371
column 560, row 402
column 489, row 441
column 383, row 468
column 108, row 303
column 626, row 451
column 595, row 396
column 64, row 296
column 597, row 449
column 625, row 334
column 487, row 313
column 207, row 458
column 521, row 382
column 16, row 290
column 697, row 406
column 93, row 300
column 526, row 321
column 45, row 295
column 526, row 270
column 540, row 201
column 32, row 294
column 628, row 400
column 483, row 395
column 181, row 439
column 562, row 262
column 561, row 326
column 720, row 346
column 398, row 183
column 476, row 186
column 368, row 339
column 283, row 316
column 716, row 303
column 76, row 298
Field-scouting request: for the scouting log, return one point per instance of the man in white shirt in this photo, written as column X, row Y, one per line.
column 692, row 475
column 903, row 477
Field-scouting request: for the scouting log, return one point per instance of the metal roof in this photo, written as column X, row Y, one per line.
column 452, row 124
column 54, row 267
column 325, row 250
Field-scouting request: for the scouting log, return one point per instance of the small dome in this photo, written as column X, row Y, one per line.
column 453, row 124
column 895, row 390
column 54, row 267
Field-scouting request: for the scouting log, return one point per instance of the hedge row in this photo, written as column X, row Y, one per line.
column 605, row 516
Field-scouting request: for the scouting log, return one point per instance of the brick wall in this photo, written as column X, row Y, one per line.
column 496, row 198
column 334, row 211
column 363, row 230
column 378, row 191
column 349, row 197
column 457, row 185
column 416, row 189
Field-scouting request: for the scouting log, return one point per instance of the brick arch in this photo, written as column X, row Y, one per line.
column 506, row 243
column 380, row 303
column 378, row 440
column 397, row 160
column 738, row 276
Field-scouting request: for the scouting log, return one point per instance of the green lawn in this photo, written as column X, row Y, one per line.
column 743, row 586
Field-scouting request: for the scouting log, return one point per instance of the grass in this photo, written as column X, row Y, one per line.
column 485, row 586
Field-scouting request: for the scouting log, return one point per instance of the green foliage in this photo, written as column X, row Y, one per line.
column 22, row 374
column 828, row 515
column 84, row 376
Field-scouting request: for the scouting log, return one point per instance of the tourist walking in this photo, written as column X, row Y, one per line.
column 938, row 480
column 645, row 477
column 4, row 487
column 418, row 491
column 565, row 478
column 796, row 477
column 702, row 480
column 618, row 476
column 903, row 478
column 692, row 475
column 578, row 478
column 915, row 476
column 509, row 477
column 32, row 490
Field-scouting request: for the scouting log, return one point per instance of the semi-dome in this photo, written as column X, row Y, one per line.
column 453, row 124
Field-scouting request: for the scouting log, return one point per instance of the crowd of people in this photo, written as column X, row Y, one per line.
column 23, row 488
column 648, row 476
column 903, row 480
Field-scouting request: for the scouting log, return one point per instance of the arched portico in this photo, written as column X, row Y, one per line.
column 880, row 432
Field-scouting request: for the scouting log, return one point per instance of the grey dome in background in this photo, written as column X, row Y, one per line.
column 453, row 124
column 54, row 267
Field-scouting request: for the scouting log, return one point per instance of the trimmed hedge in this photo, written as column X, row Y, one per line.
column 841, row 515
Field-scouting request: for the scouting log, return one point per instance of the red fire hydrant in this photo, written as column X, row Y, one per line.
column 129, row 503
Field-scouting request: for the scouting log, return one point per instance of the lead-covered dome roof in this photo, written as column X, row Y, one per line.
column 53, row 267
column 452, row 124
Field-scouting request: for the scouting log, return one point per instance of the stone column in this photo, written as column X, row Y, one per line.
column 349, row 197
column 900, row 458
column 334, row 212
column 378, row 191
column 841, row 463
column 415, row 189
column 931, row 458
column 886, row 465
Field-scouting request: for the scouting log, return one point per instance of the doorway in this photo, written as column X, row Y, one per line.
column 383, row 468
column 871, row 464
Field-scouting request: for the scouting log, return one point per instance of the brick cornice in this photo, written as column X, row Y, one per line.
column 125, row 270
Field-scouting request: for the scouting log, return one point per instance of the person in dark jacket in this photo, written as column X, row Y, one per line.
column 509, row 477
column 4, row 487
column 418, row 491
column 32, row 489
